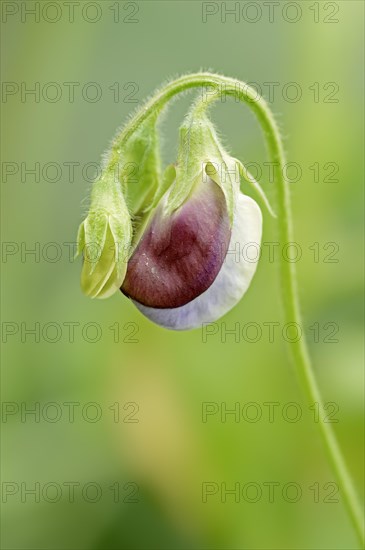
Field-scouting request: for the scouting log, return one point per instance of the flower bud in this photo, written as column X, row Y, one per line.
column 140, row 172
column 104, row 237
column 182, row 271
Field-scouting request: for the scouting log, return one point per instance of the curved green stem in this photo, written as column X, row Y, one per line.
column 221, row 86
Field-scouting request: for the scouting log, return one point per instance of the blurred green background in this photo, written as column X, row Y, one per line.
column 138, row 485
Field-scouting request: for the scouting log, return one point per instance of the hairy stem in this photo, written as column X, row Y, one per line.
column 214, row 87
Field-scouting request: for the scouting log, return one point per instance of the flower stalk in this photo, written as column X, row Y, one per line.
column 217, row 87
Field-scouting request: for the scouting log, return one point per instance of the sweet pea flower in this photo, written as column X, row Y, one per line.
column 174, row 244
column 185, row 270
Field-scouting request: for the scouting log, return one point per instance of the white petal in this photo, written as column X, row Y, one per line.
column 231, row 282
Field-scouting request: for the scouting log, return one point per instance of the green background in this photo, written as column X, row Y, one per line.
column 169, row 453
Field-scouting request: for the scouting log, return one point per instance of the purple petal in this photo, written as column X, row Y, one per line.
column 232, row 281
column 179, row 256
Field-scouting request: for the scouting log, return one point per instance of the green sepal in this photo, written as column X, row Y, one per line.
column 104, row 238
column 140, row 172
column 201, row 155
column 248, row 177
